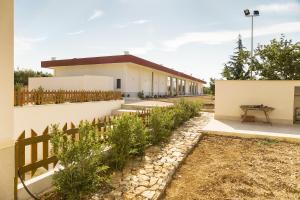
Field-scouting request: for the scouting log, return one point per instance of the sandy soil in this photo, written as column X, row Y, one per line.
column 235, row 168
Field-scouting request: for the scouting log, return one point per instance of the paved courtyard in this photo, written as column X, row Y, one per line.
column 258, row 130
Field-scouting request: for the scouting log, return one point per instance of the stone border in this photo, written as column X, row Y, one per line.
column 162, row 194
column 149, row 178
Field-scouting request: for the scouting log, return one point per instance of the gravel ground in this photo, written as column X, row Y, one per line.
column 234, row 168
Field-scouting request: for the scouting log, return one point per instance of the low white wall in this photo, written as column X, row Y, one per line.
column 86, row 82
column 38, row 117
column 230, row 95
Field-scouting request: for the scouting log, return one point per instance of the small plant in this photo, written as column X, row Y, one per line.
column 128, row 137
column 268, row 142
column 59, row 96
column 18, row 90
column 82, row 170
column 19, row 86
column 141, row 95
column 38, row 96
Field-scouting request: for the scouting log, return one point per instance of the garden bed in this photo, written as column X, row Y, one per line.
column 147, row 177
column 167, row 135
column 234, row 168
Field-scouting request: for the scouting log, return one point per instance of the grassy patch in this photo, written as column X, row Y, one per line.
column 268, row 142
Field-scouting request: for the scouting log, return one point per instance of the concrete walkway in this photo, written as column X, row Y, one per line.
column 257, row 130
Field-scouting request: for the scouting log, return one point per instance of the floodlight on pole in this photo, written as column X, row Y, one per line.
column 255, row 13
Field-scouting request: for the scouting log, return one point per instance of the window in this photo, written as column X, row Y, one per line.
column 183, row 86
column 169, row 85
column 174, row 86
column 118, row 83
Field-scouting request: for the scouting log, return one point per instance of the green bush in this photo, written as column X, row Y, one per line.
column 190, row 108
column 128, row 137
column 164, row 120
column 160, row 125
column 141, row 95
column 138, row 136
column 82, row 170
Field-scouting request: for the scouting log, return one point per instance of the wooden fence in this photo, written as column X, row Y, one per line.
column 26, row 170
column 40, row 96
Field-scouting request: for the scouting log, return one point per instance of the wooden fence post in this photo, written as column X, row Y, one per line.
column 46, row 147
column 33, row 149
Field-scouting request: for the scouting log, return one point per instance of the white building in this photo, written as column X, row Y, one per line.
column 130, row 74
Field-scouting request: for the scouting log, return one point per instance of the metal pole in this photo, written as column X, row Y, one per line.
column 251, row 67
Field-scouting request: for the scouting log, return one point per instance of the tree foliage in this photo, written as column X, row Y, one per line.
column 212, row 86
column 278, row 60
column 238, row 66
column 21, row 76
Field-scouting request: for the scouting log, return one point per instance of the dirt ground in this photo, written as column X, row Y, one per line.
column 206, row 99
column 235, row 168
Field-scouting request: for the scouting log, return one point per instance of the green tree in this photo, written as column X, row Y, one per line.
column 279, row 60
column 21, row 76
column 238, row 66
column 212, row 86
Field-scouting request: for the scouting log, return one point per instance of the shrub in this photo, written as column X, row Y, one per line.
column 128, row 137
column 179, row 116
column 38, row 95
column 141, row 95
column 59, row 96
column 138, row 136
column 191, row 108
column 164, row 120
column 160, row 124
column 82, row 170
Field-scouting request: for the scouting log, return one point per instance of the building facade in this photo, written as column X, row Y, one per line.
column 131, row 75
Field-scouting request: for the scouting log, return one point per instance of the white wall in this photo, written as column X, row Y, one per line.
column 38, row 117
column 6, row 69
column 135, row 78
column 86, row 82
column 6, row 99
column 277, row 94
column 115, row 70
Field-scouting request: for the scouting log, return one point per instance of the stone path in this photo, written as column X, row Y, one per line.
column 148, row 177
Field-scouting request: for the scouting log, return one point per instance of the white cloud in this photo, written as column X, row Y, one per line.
column 219, row 37
column 141, row 21
column 95, row 15
column 76, row 32
column 279, row 7
column 136, row 22
column 141, row 50
column 27, row 43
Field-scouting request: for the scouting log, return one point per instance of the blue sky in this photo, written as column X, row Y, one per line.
column 193, row 36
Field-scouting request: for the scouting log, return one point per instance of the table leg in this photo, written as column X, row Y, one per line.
column 245, row 115
column 267, row 117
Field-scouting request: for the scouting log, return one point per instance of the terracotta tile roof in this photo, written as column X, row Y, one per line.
column 116, row 59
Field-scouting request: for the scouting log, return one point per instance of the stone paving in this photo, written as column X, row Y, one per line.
column 148, row 177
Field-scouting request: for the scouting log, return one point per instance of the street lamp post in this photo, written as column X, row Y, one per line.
column 255, row 13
